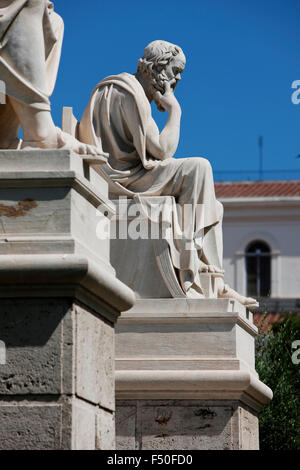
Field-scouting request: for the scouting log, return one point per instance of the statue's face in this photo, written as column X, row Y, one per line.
column 174, row 70
column 170, row 72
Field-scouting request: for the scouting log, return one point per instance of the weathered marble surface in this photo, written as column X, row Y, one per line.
column 49, row 209
column 186, row 425
column 51, row 374
column 185, row 376
column 59, row 301
column 159, row 331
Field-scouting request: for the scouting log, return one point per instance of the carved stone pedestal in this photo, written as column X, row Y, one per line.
column 185, row 376
column 59, row 300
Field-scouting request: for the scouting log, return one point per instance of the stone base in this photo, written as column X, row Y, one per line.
column 185, row 376
column 185, row 425
column 65, row 424
column 57, row 386
column 59, row 301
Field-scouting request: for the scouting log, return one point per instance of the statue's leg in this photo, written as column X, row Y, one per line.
column 193, row 186
column 226, row 292
column 9, row 126
column 24, row 45
column 212, row 252
column 39, row 131
column 37, row 124
column 24, row 50
column 196, row 186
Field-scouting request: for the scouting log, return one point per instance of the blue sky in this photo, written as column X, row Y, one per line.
column 242, row 57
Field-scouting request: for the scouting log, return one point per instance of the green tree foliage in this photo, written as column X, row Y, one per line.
column 280, row 420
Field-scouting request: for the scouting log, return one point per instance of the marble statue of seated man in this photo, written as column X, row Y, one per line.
column 31, row 35
column 118, row 118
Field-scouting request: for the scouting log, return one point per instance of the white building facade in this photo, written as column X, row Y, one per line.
column 261, row 230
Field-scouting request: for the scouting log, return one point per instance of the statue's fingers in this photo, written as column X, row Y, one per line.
column 167, row 86
column 157, row 97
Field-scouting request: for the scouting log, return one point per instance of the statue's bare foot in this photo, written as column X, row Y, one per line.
column 67, row 141
column 62, row 140
column 227, row 293
column 210, row 268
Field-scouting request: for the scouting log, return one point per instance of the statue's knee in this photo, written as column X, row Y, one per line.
column 196, row 162
column 202, row 165
column 37, row 4
column 206, row 164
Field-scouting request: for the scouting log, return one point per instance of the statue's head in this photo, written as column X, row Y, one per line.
column 162, row 61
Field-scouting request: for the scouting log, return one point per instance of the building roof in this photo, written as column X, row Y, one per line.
column 258, row 189
column 265, row 322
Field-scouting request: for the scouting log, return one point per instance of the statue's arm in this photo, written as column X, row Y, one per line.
column 163, row 145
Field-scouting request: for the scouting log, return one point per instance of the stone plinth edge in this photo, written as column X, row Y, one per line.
column 25, row 271
column 183, row 384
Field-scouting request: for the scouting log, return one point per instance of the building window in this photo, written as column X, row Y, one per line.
column 258, row 269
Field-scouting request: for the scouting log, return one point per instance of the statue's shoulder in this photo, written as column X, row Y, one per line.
column 124, row 80
column 127, row 82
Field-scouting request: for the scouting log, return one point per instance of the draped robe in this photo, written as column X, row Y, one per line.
column 31, row 35
column 117, row 117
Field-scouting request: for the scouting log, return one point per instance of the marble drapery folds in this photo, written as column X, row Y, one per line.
column 117, row 117
column 28, row 29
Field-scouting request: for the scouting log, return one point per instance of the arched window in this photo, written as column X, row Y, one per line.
column 258, row 269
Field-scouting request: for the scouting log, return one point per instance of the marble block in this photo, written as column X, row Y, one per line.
column 59, row 301
column 185, row 376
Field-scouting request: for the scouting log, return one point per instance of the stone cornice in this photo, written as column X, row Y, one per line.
column 191, row 384
column 260, row 201
column 53, row 272
column 44, row 179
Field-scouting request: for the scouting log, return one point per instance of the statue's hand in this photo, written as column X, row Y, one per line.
column 167, row 101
